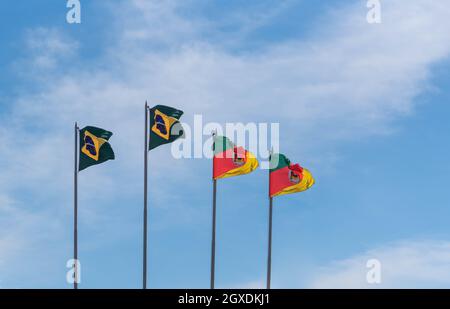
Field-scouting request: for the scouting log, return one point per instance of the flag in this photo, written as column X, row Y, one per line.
column 230, row 160
column 94, row 147
column 165, row 126
column 287, row 178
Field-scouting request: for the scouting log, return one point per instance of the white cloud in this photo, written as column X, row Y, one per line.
column 47, row 47
column 409, row 264
column 353, row 78
column 26, row 243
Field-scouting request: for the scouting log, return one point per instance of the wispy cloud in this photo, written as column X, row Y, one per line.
column 408, row 264
column 46, row 49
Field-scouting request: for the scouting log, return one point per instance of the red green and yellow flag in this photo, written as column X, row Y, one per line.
column 287, row 178
column 230, row 160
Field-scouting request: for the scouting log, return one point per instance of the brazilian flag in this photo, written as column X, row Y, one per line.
column 165, row 126
column 94, row 147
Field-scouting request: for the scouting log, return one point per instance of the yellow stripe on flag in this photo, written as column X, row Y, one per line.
column 250, row 165
column 306, row 183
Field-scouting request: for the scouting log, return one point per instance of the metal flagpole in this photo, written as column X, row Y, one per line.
column 269, row 255
column 213, row 238
column 144, row 270
column 75, row 211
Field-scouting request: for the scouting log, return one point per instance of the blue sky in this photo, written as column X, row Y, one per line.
column 363, row 106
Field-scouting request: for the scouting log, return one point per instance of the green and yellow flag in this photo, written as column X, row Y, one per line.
column 94, row 147
column 165, row 126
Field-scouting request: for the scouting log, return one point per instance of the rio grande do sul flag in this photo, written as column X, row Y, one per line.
column 230, row 160
column 287, row 178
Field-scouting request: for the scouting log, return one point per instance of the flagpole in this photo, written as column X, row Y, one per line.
column 144, row 270
column 75, row 211
column 269, row 255
column 213, row 236
column 269, row 247
column 213, row 240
